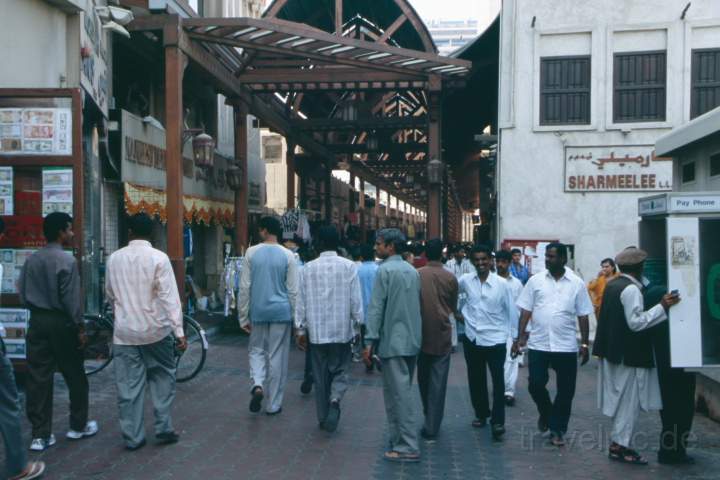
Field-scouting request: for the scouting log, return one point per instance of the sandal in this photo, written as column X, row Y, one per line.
column 393, row 456
column 625, row 455
column 33, row 470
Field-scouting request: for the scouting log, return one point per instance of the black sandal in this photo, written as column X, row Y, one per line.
column 625, row 455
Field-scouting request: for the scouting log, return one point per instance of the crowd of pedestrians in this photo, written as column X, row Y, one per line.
column 397, row 313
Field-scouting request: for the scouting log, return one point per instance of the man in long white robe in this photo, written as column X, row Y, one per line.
column 624, row 387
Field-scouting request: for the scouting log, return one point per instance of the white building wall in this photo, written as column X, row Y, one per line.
column 37, row 41
column 532, row 203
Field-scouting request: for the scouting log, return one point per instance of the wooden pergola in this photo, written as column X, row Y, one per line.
column 359, row 83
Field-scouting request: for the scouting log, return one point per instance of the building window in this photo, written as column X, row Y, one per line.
column 639, row 81
column 705, row 81
column 715, row 165
column 687, row 172
column 565, row 90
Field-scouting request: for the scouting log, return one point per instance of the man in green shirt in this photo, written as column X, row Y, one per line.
column 394, row 328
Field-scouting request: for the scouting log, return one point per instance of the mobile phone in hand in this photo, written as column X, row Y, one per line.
column 675, row 293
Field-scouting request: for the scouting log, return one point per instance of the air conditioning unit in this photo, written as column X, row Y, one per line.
column 68, row 6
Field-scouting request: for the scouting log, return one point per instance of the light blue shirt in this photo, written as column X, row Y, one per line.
column 367, row 271
column 488, row 308
column 268, row 285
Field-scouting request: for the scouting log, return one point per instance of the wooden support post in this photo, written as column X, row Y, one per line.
column 290, row 161
column 241, row 195
column 434, row 216
column 377, row 207
column 363, row 223
column 303, row 190
column 351, row 194
column 328, row 195
column 339, row 17
column 174, row 67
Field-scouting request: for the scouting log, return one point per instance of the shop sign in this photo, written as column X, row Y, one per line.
column 254, row 194
column 144, row 161
column 629, row 168
column 35, row 131
column 93, row 55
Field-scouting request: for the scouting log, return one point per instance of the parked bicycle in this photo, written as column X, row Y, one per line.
column 99, row 351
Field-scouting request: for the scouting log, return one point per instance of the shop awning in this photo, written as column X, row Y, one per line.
column 195, row 209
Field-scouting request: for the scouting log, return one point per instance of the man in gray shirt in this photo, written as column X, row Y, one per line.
column 50, row 288
column 395, row 324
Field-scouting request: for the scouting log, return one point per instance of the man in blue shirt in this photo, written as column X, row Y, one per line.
column 367, row 271
column 517, row 269
column 266, row 302
column 395, row 325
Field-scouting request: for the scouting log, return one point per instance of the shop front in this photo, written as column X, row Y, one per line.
column 207, row 201
column 41, row 171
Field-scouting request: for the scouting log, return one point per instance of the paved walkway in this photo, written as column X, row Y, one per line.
column 220, row 439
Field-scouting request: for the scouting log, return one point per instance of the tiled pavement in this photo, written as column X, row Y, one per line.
column 220, row 439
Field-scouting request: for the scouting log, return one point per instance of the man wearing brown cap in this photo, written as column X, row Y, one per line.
column 628, row 380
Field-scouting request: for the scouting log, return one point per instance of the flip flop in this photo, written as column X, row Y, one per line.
column 626, row 455
column 35, row 470
column 399, row 457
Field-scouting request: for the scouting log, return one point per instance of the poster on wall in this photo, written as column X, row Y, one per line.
column 15, row 321
column 57, row 190
column 35, row 131
column 6, row 191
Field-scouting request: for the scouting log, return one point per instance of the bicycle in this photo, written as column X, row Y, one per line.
column 98, row 350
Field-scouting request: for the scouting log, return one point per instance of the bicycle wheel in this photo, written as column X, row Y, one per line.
column 191, row 361
column 98, row 350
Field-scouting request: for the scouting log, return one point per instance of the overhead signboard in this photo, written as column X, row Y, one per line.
column 627, row 168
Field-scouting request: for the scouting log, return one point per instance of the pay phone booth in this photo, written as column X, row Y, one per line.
column 681, row 233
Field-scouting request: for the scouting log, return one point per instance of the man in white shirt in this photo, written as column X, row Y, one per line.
column 503, row 259
column 141, row 287
column 458, row 265
column 554, row 298
column 329, row 309
column 488, row 313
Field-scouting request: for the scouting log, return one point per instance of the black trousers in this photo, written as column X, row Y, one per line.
column 677, row 389
column 556, row 413
column 308, row 372
column 479, row 360
column 52, row 344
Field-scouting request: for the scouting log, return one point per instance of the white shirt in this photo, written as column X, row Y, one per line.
column 635, row 315
column 463, row 268
column 329, row 303
column 489, row 309
column 140, row 285
column 555, row 306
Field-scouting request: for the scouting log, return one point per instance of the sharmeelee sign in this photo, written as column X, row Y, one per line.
column 627, row 168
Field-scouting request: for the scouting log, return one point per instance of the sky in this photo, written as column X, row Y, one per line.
column 447, row 9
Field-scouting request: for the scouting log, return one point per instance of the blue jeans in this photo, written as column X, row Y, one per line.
column 15, row 457
column 555, row 413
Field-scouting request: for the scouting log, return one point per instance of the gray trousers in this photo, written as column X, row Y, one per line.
column 432, row 380
column 15, row 457
column 269, row 349
column 136, row 366
column 330, row 364
column 397, row 373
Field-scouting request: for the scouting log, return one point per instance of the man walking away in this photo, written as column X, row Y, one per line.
column 16, row 465
column 367, row 271
column 268, row 288
column 439, row 301
column 627, row 378
column 517, row 269
column 489, row 314
column 554, row 298
column 329, row 309
column 502, row 262
column 50, row 288
column 140, row 285
column 394, row 322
